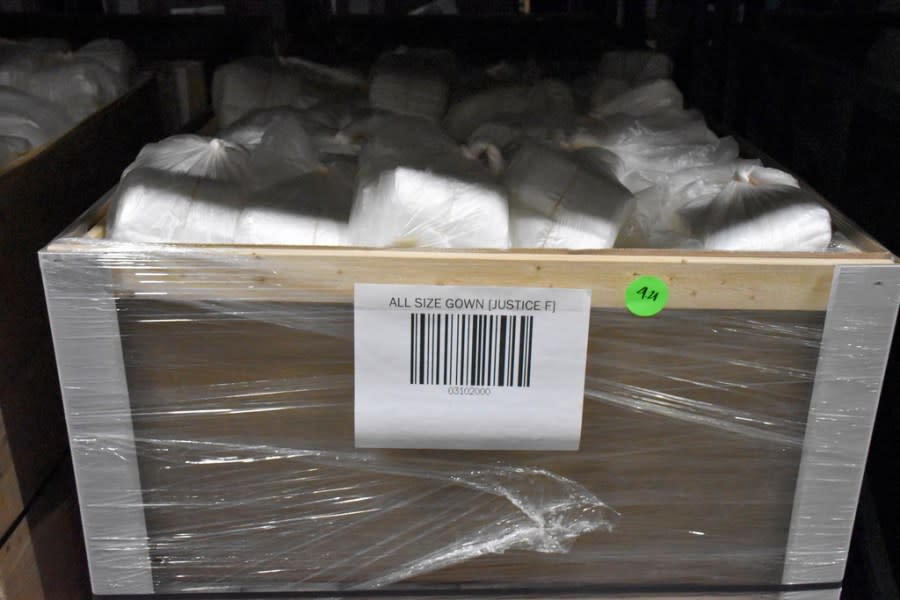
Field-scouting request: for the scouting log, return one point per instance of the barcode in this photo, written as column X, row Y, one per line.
column 471, row 350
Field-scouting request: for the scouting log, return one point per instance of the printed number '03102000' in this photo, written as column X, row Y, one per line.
column 468, row 391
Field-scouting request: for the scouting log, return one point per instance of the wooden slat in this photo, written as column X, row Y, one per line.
column 329, row 276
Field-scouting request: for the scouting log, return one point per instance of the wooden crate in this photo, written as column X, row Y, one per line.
column 209, row 395
column 39, row 194
column 42, row 558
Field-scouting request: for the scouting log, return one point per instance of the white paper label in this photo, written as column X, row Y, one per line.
column 477, row 368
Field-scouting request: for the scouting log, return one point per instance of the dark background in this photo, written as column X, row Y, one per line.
column 815, row 84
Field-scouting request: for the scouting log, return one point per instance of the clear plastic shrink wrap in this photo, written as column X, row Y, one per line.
column 413, row 82
column 255, row 83
column 210, row 398
column 195, row 155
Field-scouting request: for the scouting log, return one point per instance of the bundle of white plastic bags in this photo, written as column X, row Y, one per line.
column 45, row 89
column 191, row 189
column 306, row 157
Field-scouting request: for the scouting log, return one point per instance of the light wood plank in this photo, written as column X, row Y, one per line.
column 329, row 276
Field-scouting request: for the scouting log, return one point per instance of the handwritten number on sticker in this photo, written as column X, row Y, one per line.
column 646, row 296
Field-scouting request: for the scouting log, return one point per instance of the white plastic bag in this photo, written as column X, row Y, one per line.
column 612, row 97
column 18, row 62
column 249, row 130
column 284, row 152
column 23, row 115
column 766, row 210
column 310, row 210
column 390, row 141
column 80, row 85
column 417, row 208
column 195, row 155
column 651, row 165
column 664, row 128
column 508, row 104
column 666, row 214
column 736, row 206
column 652, row 147
column 151, row 206
column 254, row 83
column 600, row 160
column 112, row 53
column 558, row 203
column 11, row 148
column 413, row 82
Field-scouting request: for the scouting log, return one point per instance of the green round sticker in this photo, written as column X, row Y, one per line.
column 646, row 296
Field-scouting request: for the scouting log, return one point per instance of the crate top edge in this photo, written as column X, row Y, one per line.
column 82, row 245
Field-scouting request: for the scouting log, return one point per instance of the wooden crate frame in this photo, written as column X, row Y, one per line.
column 859, row 291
